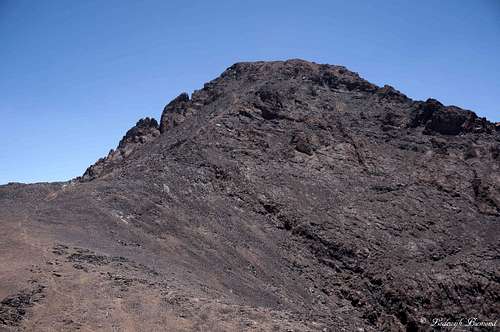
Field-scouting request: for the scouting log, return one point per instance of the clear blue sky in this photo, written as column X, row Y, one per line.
column 75, row 75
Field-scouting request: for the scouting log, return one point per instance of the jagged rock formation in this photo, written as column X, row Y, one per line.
column 175, row 112
column 283, row 195
column 145, row 131
column 449, row 120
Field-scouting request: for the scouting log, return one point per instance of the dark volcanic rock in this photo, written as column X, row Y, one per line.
column 13, row 309
column 175, row 112
column 145, row 131
column 283, row 195
column 449, row 120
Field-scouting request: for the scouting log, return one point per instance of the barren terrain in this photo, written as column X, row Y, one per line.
column 282, row 196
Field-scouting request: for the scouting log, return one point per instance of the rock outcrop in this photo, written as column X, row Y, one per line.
column 145, row 131
column 450, row 120
column 175, row 112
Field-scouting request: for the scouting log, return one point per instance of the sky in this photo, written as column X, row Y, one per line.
column 75, row 75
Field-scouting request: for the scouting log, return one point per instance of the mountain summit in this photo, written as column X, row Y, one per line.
column 286, row 195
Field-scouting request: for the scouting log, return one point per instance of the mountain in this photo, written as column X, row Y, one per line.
column 282, row 196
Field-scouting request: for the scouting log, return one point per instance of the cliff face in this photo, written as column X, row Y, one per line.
column 285, row 195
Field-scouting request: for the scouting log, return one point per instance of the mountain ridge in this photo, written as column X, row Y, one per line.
column 280, row 196
column 431, row 114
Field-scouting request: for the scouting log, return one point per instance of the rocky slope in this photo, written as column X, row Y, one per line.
column 285, row 196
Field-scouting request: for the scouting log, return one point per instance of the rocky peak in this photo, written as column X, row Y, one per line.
column 145, row 131
column 297, row 71
column 303, row 96
column 175, row 112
